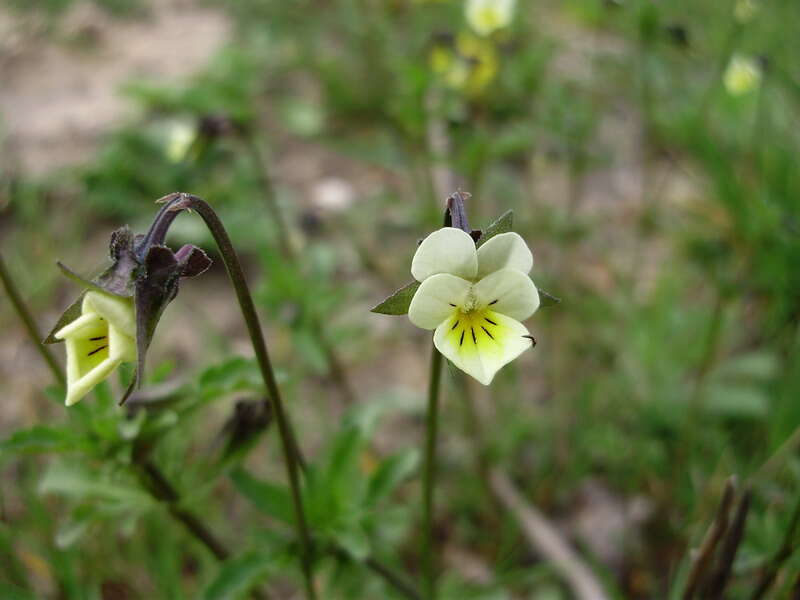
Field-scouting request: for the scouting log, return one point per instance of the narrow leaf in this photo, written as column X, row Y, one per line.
column 398, row 303
column 41, row 439
column 391, row 473
column 237, row 576
column 269, row 498
column 503, row 224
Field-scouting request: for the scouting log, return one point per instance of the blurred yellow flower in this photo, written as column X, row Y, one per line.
column 487, row 16
column 468, row 66
column 179, row 138
column 742, row 76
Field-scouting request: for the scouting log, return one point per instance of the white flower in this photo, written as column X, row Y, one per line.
column 97, row 342
column 487, row 16
column 742, row 75
column 474, row 299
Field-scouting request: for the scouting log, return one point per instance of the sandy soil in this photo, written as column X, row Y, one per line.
column 60, row 92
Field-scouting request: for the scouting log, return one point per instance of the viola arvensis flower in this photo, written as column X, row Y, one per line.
column 487, row 16
column 474, row 299
column 98, row 341
column 114, row 318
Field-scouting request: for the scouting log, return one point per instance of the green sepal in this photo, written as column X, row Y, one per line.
column 546, row 299
column 398, row 303
column 503, row 224
column 67, row 317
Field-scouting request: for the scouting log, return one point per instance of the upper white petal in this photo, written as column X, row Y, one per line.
column 504, row 251
column 482, row 355
column 117, row 311
column 448, row 250
column 436, row 299
column 509, row 292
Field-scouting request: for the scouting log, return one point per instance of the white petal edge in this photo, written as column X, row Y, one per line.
column 117, row 311
column 436, row 299
column 509, row 292
column 448, row 250
column 504, row 251
column 483, row 361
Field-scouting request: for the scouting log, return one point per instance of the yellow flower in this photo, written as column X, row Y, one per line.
column 487, row 16
column 98, row 341
column 180, row 137
column 742, row 76
column 474, row 299
column 468, row 66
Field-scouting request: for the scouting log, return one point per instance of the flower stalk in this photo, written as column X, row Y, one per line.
column 30, row 325
column 429, row 475
column 288, row 442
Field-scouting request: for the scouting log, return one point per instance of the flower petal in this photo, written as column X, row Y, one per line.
column 436, row 299
column 117, row 311
column 120, row 346
column 448, row 250
column 481, row 342
column 85, row 320
column 504, row 251
column 79, row 387
column 509, row 292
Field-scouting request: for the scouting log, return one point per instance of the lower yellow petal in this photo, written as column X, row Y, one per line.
column 481, row 342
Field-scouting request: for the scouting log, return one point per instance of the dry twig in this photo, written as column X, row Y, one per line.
column 545, row 539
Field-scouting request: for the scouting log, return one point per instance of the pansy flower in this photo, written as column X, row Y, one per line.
column 474, row 298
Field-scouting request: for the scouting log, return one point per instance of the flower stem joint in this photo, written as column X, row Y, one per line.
column 114, row 318
column 473, row 290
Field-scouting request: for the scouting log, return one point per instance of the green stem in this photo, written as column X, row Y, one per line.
column 30, row 325
column 290, row 450
column 769, row 572
column 429, row 477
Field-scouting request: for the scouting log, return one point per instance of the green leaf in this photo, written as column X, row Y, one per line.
column 344, row 454
column 503, row 224
column 754, row 366
column 41, row 438
column 398, row 303
column 237, row 576
column 80, row 483
column 354, row 540
column 547, row 299
column 11, row 592
column 269, row 498
column 738, row 401
column 390, row 473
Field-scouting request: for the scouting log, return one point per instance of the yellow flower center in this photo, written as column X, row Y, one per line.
column 475, row 329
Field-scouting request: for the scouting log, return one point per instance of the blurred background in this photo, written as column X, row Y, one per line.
column 648, row 150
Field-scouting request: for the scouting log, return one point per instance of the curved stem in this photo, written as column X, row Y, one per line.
column 30, row 325
column 429, row 477
column 290, row 451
